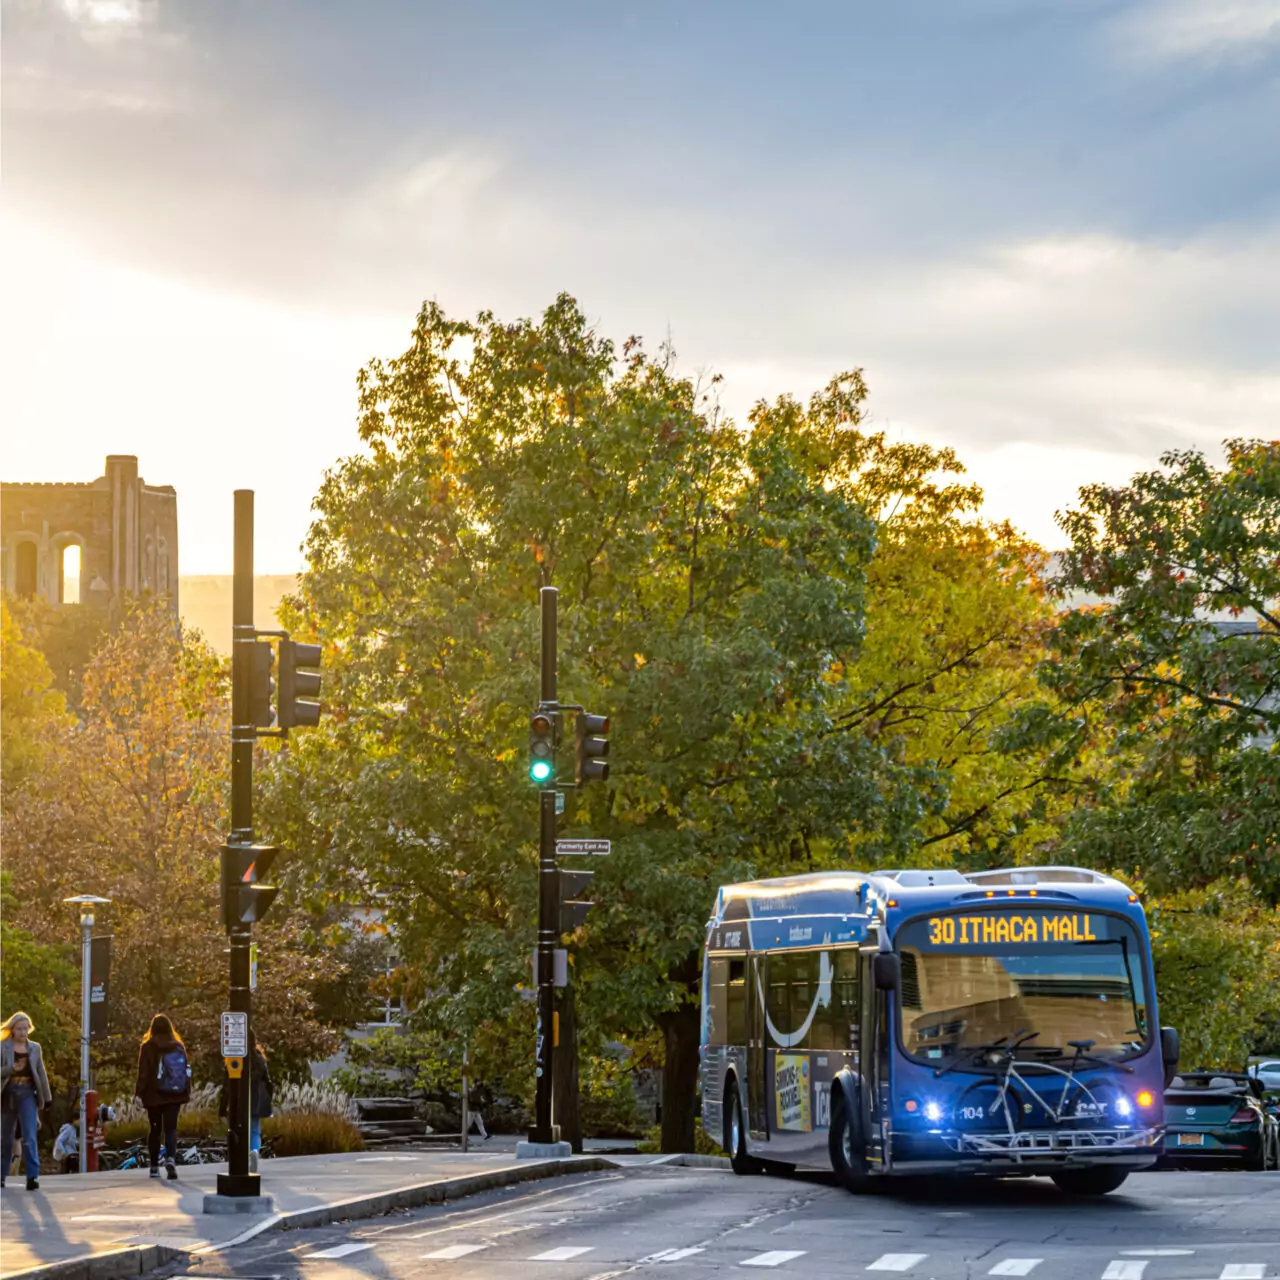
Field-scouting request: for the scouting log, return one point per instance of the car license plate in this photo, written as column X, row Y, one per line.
column 1191, row 1139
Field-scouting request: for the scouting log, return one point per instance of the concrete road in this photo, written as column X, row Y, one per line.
column 690, row 1223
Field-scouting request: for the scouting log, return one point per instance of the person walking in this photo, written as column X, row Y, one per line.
column 261, row 1090
column 24, row 1093
column 164, row 1085
column 260, row 1095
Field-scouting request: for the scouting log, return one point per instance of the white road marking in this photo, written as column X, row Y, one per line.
column 455, row 1251
column 773, row 1258
column 1243, row 1271
column 672, row 1255
column 1015, row 1267
column 1124, row 1271
column 562, row 1254
column 339, row 1251
column 897, row 1261
column 1157, row 1253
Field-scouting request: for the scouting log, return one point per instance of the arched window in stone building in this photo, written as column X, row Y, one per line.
column 26, row 565
column 69, row 574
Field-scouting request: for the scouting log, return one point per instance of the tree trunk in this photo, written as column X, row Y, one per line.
column 564, row 1081
column 680, row 1030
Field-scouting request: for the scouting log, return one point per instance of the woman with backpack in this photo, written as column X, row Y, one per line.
column 164, row 1084
column 24, row 1092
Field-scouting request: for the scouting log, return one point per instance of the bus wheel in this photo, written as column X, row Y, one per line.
column 848, row 1154
column 1090, row 1182
column 735, row 1137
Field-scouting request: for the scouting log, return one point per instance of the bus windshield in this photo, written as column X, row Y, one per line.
column 977, row 978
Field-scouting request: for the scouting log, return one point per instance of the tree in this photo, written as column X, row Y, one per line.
column 129, row 805
column 1177, row 670
column 31, row 710
column 33, row 973
column 712, row 598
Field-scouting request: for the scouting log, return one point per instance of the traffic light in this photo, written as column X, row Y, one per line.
column 542, row 747
column 592, row 748
column 299, row 688
column 262, row 686
column 573, row 911
column 244, row 898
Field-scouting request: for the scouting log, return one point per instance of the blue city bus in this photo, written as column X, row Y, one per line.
column 902, row 1023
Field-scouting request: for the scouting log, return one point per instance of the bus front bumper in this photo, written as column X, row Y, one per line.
column 1028, row 1151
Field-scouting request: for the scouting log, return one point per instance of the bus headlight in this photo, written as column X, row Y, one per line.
column 932, row 1112
column 1124, row 1107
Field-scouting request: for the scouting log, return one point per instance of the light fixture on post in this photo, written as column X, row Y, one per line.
column 86, row 902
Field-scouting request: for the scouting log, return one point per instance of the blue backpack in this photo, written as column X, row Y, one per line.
column 173, row 1071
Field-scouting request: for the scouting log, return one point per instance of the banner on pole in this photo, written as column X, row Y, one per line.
column 99, row 987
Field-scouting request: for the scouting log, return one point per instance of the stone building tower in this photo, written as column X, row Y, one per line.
column 126, row 532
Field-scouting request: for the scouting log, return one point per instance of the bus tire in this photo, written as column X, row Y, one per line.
column 846, row 1148
column 1090, row 1182
column 735, row 1134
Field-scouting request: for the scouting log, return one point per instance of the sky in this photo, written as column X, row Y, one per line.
column 1048, row 232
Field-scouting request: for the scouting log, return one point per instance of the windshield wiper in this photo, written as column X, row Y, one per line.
column 1008, row 1045
column 1081, row 1057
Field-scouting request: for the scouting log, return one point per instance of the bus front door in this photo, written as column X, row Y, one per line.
column 873, row 1061
column 757, row 1097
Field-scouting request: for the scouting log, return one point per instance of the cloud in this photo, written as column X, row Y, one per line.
column 1175, row 30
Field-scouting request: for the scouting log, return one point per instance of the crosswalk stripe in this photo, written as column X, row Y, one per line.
column 1015, row 1267
column 672, row 1255
column 1243, row 1271
column 455, row 1251
column 340, row 1251
column 562, row 1254
column 773, row 1257
column 897, row 1261
column 1124, row 1270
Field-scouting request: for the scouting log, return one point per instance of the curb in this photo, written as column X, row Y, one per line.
column 135, row 1260
column 119, row 1264
column 413, row 1196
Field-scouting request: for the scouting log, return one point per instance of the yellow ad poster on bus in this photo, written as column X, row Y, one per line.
column 791, row 1091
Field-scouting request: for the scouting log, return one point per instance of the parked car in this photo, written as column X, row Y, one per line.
column 1267, row 1074
column 1219, row 1118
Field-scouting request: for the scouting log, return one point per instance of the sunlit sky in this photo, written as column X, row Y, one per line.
column 1049, row 232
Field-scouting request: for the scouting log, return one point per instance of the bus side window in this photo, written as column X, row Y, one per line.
column 717, row 1000
column 778, row 1001
column 804, row 990
column 831, row 1023
column 736, row 1017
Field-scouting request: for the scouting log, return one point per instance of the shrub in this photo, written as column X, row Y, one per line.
column 609, row 1106
column 317, row 1099
column 200, row 1123
column 303, row 1133
column 125, row 1133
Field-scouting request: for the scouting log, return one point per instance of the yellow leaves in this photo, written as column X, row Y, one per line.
column 640, row 659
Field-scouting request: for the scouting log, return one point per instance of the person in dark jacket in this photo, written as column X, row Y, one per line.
column 261, row 1090
column 164, row 1085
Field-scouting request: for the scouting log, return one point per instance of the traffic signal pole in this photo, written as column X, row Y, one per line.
column 548, row 898
column 238, row 1181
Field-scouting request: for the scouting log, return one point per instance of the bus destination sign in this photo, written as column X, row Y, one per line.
column 1000, row 926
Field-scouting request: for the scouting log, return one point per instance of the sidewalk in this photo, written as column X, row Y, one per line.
column 142, row 1222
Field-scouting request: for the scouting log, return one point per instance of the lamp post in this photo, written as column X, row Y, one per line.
column 86, row 902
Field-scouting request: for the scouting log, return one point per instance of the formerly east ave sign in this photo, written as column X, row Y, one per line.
column 582, row 846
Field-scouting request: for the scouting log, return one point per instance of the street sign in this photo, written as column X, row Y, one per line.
column 559, row 801
column 582, row 846
column 235, row 1035
column 253, row 966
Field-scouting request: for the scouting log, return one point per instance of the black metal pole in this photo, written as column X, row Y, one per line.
column 548, row 897
column 238, row 1181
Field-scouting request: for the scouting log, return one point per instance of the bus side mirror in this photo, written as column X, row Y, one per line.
column 884, row 969
column 1169, row 1052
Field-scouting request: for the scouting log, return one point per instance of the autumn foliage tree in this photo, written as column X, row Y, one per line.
column 129, row 803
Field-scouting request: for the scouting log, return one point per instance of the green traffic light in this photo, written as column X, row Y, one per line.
column 540, row 770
